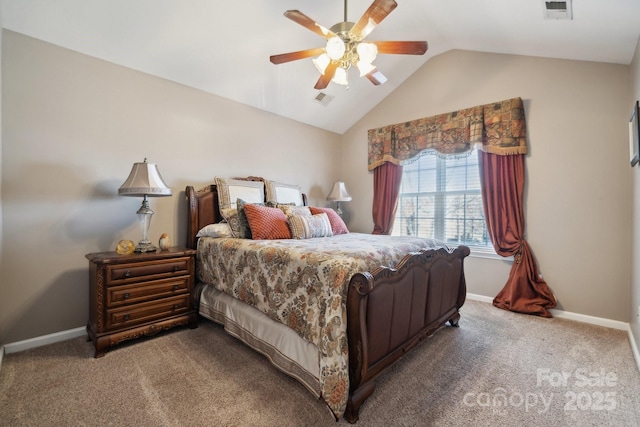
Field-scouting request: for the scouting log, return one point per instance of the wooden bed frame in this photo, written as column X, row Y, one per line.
column 421, row 294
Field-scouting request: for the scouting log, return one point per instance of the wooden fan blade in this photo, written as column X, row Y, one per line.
column 402, row 48
column 308, row 23
column 329, row 72
column 376, row 77
column 294, row 56
column 378, row 10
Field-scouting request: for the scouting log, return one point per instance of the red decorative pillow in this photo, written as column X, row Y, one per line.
column 267, row 223
column 337, row 224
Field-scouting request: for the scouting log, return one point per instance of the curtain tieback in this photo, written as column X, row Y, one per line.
column 518, row 256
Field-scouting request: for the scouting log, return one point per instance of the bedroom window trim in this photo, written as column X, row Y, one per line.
column 439, row 194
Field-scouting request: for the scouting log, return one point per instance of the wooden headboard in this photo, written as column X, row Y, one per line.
column 203, row 208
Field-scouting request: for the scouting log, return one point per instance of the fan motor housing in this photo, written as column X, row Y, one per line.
column 342, row 29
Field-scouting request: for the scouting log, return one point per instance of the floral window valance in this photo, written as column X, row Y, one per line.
column 497, row 128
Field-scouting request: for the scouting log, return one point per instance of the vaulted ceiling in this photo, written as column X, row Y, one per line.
column 224, row 47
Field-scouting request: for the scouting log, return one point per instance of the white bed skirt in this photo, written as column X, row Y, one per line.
column 285, row 349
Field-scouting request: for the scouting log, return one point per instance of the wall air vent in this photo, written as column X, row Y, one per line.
column 557, row 9
column 323, row 98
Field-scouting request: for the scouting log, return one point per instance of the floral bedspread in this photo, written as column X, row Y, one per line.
column 303, row 284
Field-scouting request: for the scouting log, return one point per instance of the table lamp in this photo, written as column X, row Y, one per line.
column 339, row 194
column 144, row 180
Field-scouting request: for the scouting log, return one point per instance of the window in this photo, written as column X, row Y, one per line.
column 441, row 198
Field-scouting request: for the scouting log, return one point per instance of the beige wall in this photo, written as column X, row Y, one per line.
column 635, row 283
column 577, row 204
column 73, row 126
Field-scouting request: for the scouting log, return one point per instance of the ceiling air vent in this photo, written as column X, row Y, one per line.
column 557, row 9
column 323, row 98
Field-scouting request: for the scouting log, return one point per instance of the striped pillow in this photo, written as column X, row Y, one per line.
column 267, row 223
column 307, row 227
column 337, row 224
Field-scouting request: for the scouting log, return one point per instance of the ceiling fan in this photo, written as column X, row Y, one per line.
column 346, row 47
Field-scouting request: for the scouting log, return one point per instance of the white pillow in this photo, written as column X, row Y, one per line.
column 221, row 229
column 283, row 193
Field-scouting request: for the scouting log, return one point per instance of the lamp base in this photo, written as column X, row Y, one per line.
column 143, row 247
column 144, row 217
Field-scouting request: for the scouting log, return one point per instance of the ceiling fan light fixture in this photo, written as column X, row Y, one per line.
column 321, row 62
column 365, row 68
column 367, row 52
column 335, row 48
column 340, row 77
column 345, row 46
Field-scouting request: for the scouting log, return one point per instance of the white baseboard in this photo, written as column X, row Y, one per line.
column 561, row 314
column 634, row 348
column 599, row 321
column 44, row 340
column 481, row 298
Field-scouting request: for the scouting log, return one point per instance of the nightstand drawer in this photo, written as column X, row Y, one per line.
column 147, row 312
column 140, row 292
column 117, row 274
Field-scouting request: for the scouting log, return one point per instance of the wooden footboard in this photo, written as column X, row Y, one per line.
column 390, row 310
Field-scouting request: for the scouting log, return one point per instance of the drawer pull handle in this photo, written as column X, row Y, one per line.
column 176, row 268
column 127, row 273
column 126, row 295
column 126, row 317
column 175, row 287
column 176, row 306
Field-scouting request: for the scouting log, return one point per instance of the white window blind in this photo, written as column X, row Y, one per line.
column 441, row 198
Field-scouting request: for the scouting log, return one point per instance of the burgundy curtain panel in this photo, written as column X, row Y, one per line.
column 502, row 182
column 386, row 187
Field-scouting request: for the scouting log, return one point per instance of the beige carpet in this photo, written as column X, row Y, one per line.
column 497, row 369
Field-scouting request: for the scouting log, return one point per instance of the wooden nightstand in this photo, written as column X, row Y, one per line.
column 139, row 294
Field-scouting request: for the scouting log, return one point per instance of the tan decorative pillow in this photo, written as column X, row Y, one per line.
column 308, row 227
column 294, row 210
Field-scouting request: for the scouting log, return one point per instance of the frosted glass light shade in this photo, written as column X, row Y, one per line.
column 321, row 62
column 335, row 48
column 340, row 77
column 365, row 68
column 367, row 52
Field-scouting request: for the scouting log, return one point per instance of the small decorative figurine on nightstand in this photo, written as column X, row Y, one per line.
column 125, row 247
column 164, row 242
